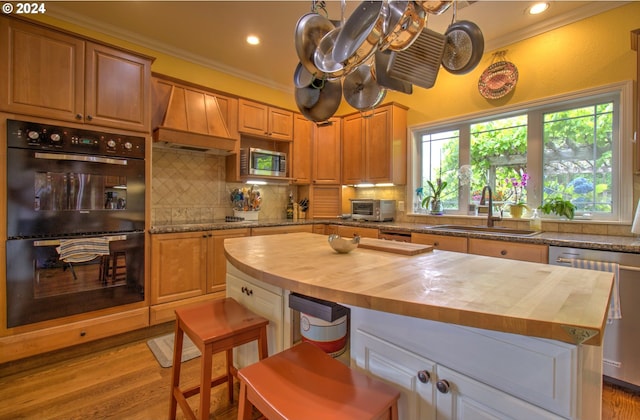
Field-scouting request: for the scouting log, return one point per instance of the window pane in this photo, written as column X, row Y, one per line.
column 440, row 154
column 578, row 154
column 498, row 157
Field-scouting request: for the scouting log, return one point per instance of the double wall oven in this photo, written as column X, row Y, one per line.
column 75, row 221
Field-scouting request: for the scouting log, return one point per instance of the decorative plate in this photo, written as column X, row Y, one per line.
column 498, row 79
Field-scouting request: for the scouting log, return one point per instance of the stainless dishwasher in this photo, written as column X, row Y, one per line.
column 621, row 347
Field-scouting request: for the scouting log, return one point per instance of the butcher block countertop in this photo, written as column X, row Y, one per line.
column 531, row 299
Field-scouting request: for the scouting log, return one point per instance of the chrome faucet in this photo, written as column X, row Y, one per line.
column 490, row 217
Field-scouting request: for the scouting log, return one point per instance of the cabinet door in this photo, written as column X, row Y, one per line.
column 302, row 141
column 509, row 250
column 178, row 266
column 252, row 118
column 413, row 374
column 353, row 149
column 326, row 153
column 118, row 89
column 461, row 398
column 45, row 71
column 264, row 303
column 216, row 261
column 445, row 243
column 377, row 153
column 280, row 124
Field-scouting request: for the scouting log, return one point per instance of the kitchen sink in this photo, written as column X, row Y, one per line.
column 486, row 229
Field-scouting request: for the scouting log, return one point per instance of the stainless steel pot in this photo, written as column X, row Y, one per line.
column 310, row 30
column 361, row 90
column 361, row 34
column 406, row 21
column 327, row 103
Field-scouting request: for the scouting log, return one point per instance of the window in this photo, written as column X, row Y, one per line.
column 570, row 148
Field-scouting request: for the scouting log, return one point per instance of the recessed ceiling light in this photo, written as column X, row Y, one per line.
column 253, row 40
column 538, row 8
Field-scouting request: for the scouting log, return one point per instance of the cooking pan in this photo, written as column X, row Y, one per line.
column 406, row 21
column 360, row 35
column 382, row 74
column 302, row 77
column 323, row 56
column 361, row 90
column 464, row 47
column 309, row 31
column 327, row 104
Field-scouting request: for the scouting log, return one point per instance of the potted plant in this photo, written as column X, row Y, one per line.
column 433, row 202
column 517, row 207
column 559, row 206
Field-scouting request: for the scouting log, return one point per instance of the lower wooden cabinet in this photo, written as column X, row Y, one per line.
column 187, row 268
column 509, row 250
column 363, row 232
column 444, row 243
column 275, row 230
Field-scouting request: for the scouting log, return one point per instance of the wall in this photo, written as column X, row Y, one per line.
column 190, row 187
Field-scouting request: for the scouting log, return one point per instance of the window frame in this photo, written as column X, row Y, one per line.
column 621, row 93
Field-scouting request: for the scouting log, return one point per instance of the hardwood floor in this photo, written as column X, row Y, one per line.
column 120, row 379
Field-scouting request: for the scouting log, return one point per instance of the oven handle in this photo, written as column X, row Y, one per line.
column 81, row 158
column 56, row 242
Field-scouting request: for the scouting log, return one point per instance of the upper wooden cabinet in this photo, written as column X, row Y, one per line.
column 374, row 148
column 326, row 153
column 303, row 131
column 53, row 74
column 265, row 121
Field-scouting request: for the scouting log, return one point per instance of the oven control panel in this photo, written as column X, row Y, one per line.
column 30, row 135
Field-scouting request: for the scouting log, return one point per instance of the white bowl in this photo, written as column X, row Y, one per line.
column 342, row 245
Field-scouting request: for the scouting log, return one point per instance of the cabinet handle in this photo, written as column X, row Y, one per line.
column 436, row 244
column 443, row 386
column 89, row 117
column 423, row 376
column 503, row 252
column 78, row 116
column 247, row 291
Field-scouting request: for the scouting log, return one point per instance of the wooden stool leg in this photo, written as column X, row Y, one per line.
column 175, row 370
column 394, row 411
column 205, row 383
column 230, row 374
column 245, row 407
column 263, row 351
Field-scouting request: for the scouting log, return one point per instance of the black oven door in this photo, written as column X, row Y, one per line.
column 40, row 286
column 53, row 193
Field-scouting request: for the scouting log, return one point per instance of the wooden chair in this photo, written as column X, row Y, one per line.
column 303, row 382
column 213, row 327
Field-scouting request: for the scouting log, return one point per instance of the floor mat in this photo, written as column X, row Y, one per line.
column 162, row 349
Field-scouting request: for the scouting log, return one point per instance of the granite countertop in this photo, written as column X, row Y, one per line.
column 511, row 296
column 575, row 240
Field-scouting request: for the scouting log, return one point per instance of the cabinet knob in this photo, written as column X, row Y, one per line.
column 83, row 333
column 89, row 117
column 247, row 291
column 436, row 244
column 424, row 376
column 443, row 386
column 503, row 252
column 78, row 116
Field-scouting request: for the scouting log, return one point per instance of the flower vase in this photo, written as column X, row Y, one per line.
column 516, row 211
column 436, row 207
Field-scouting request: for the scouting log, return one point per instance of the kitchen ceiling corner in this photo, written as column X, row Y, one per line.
column 213, row 33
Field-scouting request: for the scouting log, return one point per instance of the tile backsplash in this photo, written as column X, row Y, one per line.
column 190, row 187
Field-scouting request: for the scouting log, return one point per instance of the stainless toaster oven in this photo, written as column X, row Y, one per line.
column 373, row 210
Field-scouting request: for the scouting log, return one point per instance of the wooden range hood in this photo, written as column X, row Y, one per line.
column 192, row 118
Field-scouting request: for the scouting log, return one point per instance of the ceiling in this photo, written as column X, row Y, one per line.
column 212, row 33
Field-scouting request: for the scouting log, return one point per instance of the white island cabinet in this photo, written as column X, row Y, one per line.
column 451, row 372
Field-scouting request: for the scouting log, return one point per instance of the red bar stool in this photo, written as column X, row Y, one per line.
column 304, row 382
column 213, row 327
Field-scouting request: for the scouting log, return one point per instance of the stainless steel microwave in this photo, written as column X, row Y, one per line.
column 373, row 210
column 264, row 162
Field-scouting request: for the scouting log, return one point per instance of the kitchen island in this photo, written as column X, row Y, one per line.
column 520, row 340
